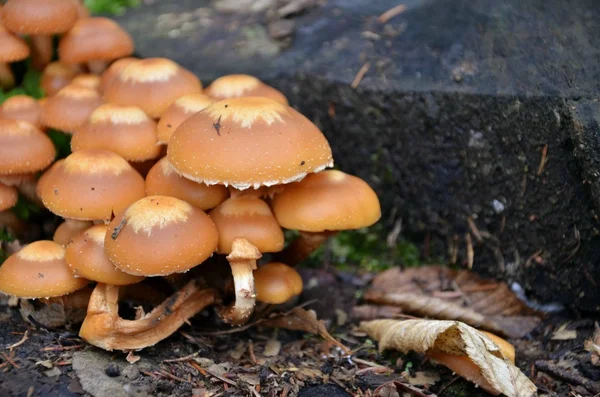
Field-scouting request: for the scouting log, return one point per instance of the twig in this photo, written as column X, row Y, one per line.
column 554, row 370
column 181, row 359
column 222, row 379
column 391, row 13
column 30, row 391
column 172, row 377
column 474, row 230
column 9, row 360
column 61, row 348
column 543, row 160
column 470, row 252
column 117, row 230
column 19, row 343
column 369, row 363
column 359, row 76
column 447, row 385
column 251, row 352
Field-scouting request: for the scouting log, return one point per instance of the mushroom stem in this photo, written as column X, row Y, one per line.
column 104, row 328
column 242, row 260
column 301, row 248
column 7, row 79
column 97, row 67
column 41, row 51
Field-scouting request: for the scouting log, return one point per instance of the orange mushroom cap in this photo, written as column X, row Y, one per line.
column 90, row 184
column 246, row 142
column 94, row 38
column 56, row 76
column 67, row 230
column 178, row 112
column 23, row 148
column 38, row 271
column 13, row 47
column 152, row 84
column 39, row 17
column 113, row 70
column 86, row 258
column 23, row 108
column 87, row 80
column 248, row 217
column 125, row 130
column 8, row 197
column 162, row 180
column 70, row 107
column 158, row 236
column 241, row 85
column 329, row 200
column 276, row 283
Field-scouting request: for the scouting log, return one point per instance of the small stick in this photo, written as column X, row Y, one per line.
column 543, row 160
column 171, row 376
column 359, row 76
column 251, row 352
column 391, row 13
column 9, row 360
column 19, row 343
column 576, row 378
column 181, row 359
column 118, row 229
column 470, row 252
column 61, row 348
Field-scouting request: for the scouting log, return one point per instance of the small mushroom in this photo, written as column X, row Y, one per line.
column 40, row 19
column 152, row 84
column 241, row 85
column 158, row 236
column 90, row 184
column 70, row 108
column 104, row 328
column 226, row 144
column 178, row 112
column 22, row 108
column 95, row 41
column 277, row 283
column 56, row 76
column 70, row 228
column 13, row 49
column 125, row 130
column 319, row 206
column 24, row 149
column 162, row 180
column 86, row 258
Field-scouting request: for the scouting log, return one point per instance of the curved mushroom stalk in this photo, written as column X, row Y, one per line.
column 242, row 260
column 104, row 328
column 41, row 51
column 304, row 245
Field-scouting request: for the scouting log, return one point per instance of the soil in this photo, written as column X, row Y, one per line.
column 55, row 362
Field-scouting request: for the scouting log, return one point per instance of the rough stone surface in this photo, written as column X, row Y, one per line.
column 460, row 99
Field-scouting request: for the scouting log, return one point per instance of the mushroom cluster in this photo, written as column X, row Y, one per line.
column 165, row 178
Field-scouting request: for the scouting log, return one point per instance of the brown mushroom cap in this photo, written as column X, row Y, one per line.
column 70, row 107
column 125, row 130
column 94, row 38
column 176, row 114
column 250, row 141
column 241, row 85
column 39, row 17
column 23, row 148
column 87, row 80
column 23, row 108
column 69, row 229
column 13, row 47
column 160, row 235
column 162, row 180
column 329, row 200
column 56, row 76
column 38, row 271
column 248, row 217
column 152, row 84
column 86, row 258
column 113, row 70
column 8, row 197
column 90, row 184
column 276, row 283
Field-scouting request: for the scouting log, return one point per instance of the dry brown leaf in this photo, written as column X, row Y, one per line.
column 442, row 293
column 299, row 319
column 457, row 339
column 592, row 345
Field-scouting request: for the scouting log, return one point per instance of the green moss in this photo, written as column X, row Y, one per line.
column 5, row 237
column 114, row 7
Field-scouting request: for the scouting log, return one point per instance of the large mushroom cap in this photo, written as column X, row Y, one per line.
column 125, row 130
column 158, row 236
column 330, row 200
column 39, row 17
column 86, row 258
column 23, row 148
column 114, row 69
column 23, row 108
column 249, row 141
column 70, row 107
column 90, row 185
column 152, row 84
column 93, row 39
column 178, row 112
column 8, row 197
column 162, row 180
column 13, row 47
column 38, row 271
column 250, row 218
column 240, row 85
column 277, row 283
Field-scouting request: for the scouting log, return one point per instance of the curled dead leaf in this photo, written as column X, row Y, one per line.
column 592, row 345
column 462, row 348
